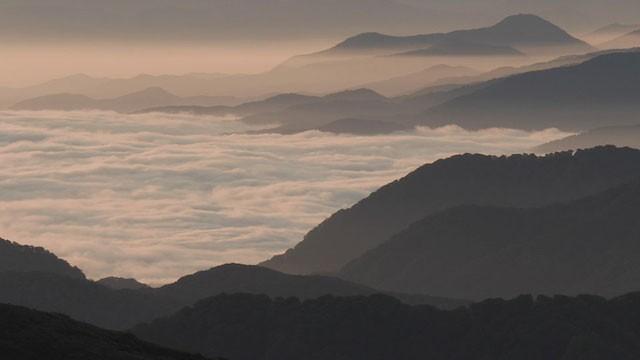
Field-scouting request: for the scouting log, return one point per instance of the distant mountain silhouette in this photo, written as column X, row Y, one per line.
column 518, row 31
column 586, row 246
column 23, row 258
column 610, row 32
column 144, row 99
column 613, row 135
column 117, row 283
column 247, row 327
column 463, row 48
column 28, row 334
column 518, row 180
column 401, row 85
column 630, row 40
column 599, row 92
column 187, row 85
column 110, row 308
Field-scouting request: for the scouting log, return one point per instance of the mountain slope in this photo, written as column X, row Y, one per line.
column 22, row 258
column 587, row 246
column 599, row 92
column 28, row 334
column 518, row 180
column 614, row 135
column 246, row 327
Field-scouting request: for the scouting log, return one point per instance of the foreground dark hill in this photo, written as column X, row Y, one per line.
column 22, row 258
column 588, row 246
column 28, row 335
column 120, row 309
column 518, row 180
column 599, row 92
column 246, row 327
column 613, row 135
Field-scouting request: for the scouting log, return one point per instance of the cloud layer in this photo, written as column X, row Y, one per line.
column 156, row 197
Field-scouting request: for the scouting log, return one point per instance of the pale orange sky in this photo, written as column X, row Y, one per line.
column 22, row 65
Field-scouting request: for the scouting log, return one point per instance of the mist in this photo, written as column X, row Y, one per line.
column 159, row 196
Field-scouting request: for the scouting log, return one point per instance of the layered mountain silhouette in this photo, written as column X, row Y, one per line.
column 521, row 32
column 120, row 307
column 28, row 334
column 247, row 327
column 610, row 32
column 586, row 246
column 405, row 84
column 614, row 135
column 151, row 97
column 599, row 92
column 22, row 258
column 630, row 40
column 517, row 180
column 463, row 48
column 118, row 283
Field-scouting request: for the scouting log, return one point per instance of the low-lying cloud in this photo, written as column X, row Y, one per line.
column 159, row 196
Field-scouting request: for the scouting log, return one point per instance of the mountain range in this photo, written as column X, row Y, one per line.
column 512, row 181
column 24, row 258
column 598, row 92
column 585, row 246
column 248, row 327
column 116, row 304
column 523, row 32
column 147, row 98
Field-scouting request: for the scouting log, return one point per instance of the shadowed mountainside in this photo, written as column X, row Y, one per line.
column 249, row 327
column 28, row 334
column 517, row 180
column 586, row 246
column 602, row 91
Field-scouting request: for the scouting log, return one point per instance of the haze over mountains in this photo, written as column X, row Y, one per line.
column 148, row 98
column 213, row 135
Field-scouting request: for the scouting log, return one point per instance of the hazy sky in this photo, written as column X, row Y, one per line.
column 42, row 39
column 157, row 197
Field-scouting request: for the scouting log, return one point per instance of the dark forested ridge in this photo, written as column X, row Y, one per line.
column 23, row 258
column 517, row 180
column 250, row 327
column 29, row 335
column 100, row 305
column 587, row 246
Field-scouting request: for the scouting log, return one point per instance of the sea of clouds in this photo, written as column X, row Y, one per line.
column 159, row 196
